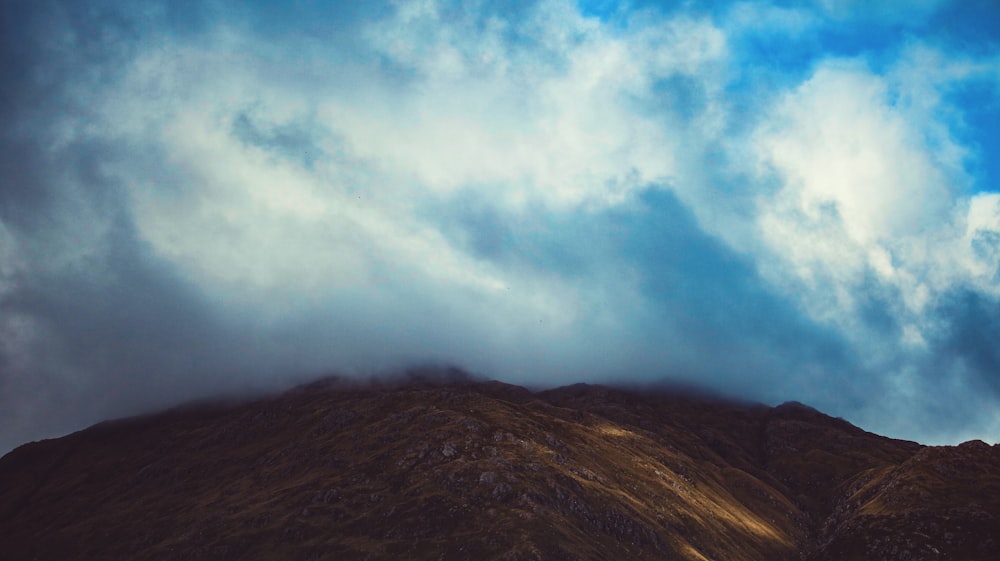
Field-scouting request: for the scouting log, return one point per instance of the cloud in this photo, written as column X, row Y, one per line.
column 913, row 13
column 874, row 211
column 871, row 179
column 857, row 181
column 223, row 198
column 562, row 113
column 764, row 18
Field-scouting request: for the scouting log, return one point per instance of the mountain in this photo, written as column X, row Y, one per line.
column 461, row 469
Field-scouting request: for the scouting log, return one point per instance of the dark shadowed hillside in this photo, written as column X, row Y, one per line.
column 488, row 471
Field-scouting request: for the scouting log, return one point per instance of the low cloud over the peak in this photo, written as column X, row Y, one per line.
column 218, row 197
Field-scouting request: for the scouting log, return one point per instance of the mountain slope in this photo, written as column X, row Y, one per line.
column 471, row 470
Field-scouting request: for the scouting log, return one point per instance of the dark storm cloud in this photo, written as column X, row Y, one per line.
column 954, row 381
column 52, row 54
column 708, row 317
column 969, row 332
column 114, row 327
column 130, row 331
column 716, row 295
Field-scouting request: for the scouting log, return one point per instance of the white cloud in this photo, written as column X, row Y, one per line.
column 979, row 246
column 576, row 124
column 768, row 18
column 911, row 12
column 871, row 199
column 843, row 150
column 857, row 176
column 565, row 116
column 552, row 113
column 870, row 182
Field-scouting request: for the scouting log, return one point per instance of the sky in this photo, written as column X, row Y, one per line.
column 774, row 200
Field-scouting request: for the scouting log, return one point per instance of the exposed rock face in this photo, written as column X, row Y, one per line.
column 463, row 470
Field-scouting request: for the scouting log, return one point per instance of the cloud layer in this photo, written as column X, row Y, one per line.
column 781, row 203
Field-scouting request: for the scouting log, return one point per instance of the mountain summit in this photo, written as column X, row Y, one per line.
column 459, row 469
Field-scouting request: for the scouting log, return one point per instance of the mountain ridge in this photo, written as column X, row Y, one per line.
column 449, row 467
